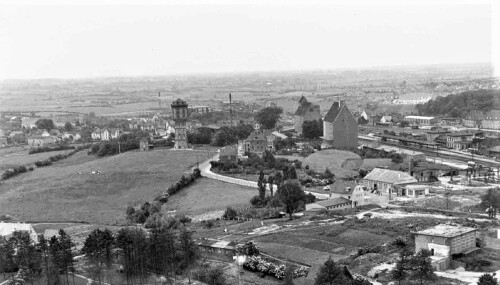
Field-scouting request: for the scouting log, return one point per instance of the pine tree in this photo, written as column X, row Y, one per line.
column 421, row 266
column 261, row 185
column 270, row 181
column 399, row 272
column 330, row 273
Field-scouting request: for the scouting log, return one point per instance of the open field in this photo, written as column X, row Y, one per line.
column 21, row 157
column 67, row 191
column 333, row 160
column 209, row 195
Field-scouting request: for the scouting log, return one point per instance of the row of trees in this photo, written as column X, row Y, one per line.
column 162, row 251
column 312, row 129
column 48, row 258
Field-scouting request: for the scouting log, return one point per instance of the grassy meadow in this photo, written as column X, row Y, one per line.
column 68, row 191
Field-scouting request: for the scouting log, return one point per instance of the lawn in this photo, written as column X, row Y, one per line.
column 67, row 191
column 207, row 195
column 332, row 159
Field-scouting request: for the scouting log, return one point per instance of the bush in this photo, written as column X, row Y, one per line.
column 11, row 172
column 230, row 214
column 48, row 149
column 256, row 201
column 400, row 241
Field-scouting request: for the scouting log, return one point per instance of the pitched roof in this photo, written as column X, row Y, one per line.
column 6, row 229
column 444, row 230
column 390, row 176
column 343, row 187
column 493, row 115
column 304, row 106
column 333, row 112
column 256, row 136
column 228, row 150
column 333, row 202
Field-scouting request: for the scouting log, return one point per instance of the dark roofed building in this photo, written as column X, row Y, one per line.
column 491, row 120
column 306, row 111
column 229, row 154
column 217, row 249
column 330, row 204
column 340, row 128
column 256, row 143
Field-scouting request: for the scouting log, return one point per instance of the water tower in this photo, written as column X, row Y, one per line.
column 180, row 116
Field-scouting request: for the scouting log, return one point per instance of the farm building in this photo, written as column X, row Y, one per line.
column 415, row 191
column 229, row 154
column 305, row 112
column 330, row 204
column 40, row 141
column 445, row 240
column 273, row 138
column 386, row 181
column 7, row 229
column 217, row 249
column 340, row 127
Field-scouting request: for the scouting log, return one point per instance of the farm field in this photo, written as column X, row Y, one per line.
column 67, row 191
column 21, row 157
column 207, row 195
column 335, row 160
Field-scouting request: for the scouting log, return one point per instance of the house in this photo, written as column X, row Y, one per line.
column 96, row 134
column 116, row 133
column 445, row 240
column 330, row 204
column 491, row 120
column 105, row 135
column 29, row 122
column 386, row 181
column 273, row 138
column 350, row 191
column 229, row 154
column 306, row 111
column 36, row 141
column 449, row 121
column 386, row 119
column 222, row 250
column 340, row 128
column 7, row 229
column 421, row 120
column 473, row 119
column 255, row 143
column 18, row 137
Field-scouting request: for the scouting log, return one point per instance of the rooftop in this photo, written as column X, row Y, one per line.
column 390, row 176
column 217, row 243
column 333, row 202
column 420, row 117
column 444, row 230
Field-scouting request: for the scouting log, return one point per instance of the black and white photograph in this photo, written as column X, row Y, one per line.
column 250, row 142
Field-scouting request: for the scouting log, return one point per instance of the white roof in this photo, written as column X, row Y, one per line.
column 420, row 117
column 6, row 230
column 278, row 134
column 390, row 176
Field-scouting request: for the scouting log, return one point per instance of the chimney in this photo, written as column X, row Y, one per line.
column 342, row 103
column 336, row 104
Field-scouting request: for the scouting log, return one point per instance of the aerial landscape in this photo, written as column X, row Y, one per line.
column 232, row 150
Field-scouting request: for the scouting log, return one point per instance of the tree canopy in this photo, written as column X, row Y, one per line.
column 459, row 105
column 292, row 196
column 268, row 117
column 312, row 129
column 47, row 124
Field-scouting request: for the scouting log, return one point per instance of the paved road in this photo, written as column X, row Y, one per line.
column 206, row 172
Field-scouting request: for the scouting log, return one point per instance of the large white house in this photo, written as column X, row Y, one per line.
column 7, row 229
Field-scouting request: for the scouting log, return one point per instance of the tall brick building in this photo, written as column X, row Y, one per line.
column 305, row 112
column 340, row 127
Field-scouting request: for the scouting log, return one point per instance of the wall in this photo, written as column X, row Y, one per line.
column 463, row 242
column 345, row 131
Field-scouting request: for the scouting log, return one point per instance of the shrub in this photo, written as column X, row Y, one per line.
column 400, row 241
column 230, row 214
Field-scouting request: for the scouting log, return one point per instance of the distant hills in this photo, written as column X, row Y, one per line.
column 461, row 104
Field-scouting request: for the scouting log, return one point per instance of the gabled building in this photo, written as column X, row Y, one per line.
column 7, row 229
column 306, row 111
column 255, row 143
column 330, row 204
column 491, row 120
column 473, row 119
column 340, row 127
column 386, row 181
column 460, row 140
column 229, row 154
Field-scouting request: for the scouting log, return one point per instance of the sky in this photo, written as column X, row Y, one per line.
column 132, row 38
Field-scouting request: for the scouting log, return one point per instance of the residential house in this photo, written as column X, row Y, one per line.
column 229, row 154
column 273, row 138
column 491, row 120
column 36, row 141
column 116, row 133
column 350, row 191
column 473, row 119
column 386, row 181
column 18, row 137
column 96, row 134
column 71, row 136
column 222, row 250
column 105, row 135
column 29, row 122
column 199, row 110
column 421, row 120
column 306, row 111
column 45, row 133
column 7, row 229
column 340, row 128
column 445, row 240
column 449, row 121
column 386, row 119
column 330, row 204
column 255, row 143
